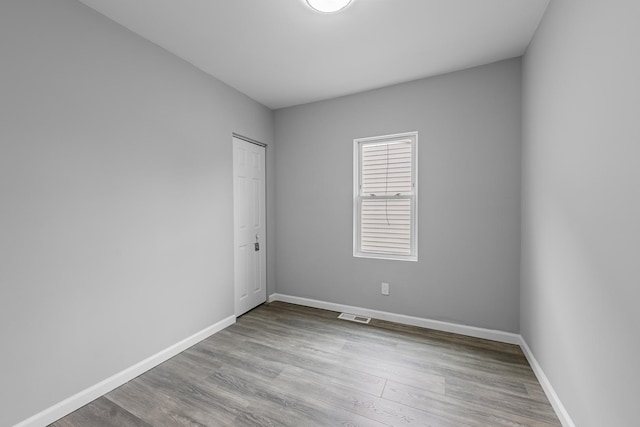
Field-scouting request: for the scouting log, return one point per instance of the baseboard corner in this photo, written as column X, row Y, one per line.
column 557, row 405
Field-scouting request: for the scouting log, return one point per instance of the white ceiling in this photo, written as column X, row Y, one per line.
column 282, row 53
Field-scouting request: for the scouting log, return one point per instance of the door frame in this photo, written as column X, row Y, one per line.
column 266, row 218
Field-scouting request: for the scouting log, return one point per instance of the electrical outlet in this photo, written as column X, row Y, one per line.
column 384, row 288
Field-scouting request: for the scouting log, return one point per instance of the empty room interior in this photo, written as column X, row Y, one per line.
column 192, row 192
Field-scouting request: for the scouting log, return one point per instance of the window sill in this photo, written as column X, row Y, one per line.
column 387, row 257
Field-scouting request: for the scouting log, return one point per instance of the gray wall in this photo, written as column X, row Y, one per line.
column 116, row 236
column 469, row 198
column 581, row 207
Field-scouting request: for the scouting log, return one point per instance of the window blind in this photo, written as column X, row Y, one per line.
column 386, row 197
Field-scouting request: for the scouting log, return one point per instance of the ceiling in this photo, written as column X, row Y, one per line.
column 282, row 53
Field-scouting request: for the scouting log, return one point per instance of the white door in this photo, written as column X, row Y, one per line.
column 249, row 225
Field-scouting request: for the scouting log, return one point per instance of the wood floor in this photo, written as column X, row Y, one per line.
column 287, row 365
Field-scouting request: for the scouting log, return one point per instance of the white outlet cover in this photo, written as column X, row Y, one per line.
column 385, row 288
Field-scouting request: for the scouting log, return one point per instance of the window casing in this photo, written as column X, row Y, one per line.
column 385, row 197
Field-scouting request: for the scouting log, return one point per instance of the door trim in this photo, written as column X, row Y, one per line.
column 252, row 141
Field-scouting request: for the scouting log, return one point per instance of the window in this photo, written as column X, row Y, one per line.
column 385, row 197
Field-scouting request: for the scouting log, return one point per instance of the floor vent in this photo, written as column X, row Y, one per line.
column 354, row 318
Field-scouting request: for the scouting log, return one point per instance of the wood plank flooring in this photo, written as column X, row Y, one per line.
column 288, row 365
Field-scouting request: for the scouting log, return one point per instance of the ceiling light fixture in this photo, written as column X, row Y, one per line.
column 328, row 6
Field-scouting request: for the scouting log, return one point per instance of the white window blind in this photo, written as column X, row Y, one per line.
column 385, row 197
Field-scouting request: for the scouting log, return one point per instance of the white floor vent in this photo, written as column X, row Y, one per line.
column 354, row 318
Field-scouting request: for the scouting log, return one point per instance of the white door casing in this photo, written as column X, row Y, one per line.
column 249, row 225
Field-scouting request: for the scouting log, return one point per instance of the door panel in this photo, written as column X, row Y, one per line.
column 249, row 225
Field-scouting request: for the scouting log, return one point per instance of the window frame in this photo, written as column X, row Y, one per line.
column 358, row 197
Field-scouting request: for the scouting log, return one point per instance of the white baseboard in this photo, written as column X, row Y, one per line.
column 506, row 337
column 80, row 399
column 491, row 334
column 472, row 331
column 561, row 411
